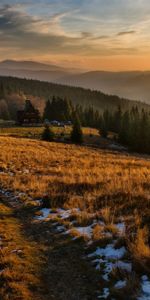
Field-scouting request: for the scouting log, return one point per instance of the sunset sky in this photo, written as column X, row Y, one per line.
column 88, row 34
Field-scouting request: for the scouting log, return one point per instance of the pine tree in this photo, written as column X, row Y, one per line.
column 144, row 135
column 47, row 111
column 117, row 120
column 103, row 131
column 124, row 132
column 77, row 134
column 4, row 110
column 48, row 134
column 2, row 90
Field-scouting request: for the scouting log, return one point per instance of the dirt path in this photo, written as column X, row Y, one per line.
column 39, row 263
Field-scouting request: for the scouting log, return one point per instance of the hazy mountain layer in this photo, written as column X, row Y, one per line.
column 131, row 85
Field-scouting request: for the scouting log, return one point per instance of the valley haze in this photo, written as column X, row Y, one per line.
column 133, row 85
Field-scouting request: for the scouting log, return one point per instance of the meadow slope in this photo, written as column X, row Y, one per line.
column 81, row 213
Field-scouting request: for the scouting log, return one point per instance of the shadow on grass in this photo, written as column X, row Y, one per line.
column 63, row 272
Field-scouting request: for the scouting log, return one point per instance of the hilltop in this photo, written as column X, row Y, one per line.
column 134, row 85
column 14, row 91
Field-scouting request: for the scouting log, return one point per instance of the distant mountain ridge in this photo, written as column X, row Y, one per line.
column 35, row 70
column 45, row 90
column 28, row 65
column 133, row 85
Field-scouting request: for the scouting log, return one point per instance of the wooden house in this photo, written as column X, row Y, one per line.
column 28, row 116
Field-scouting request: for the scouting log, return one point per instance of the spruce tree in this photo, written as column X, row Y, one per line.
column 124, row 132
column 48, row 134
column 144, row 135
column 77, row 134
column 47, row 110
column 103, row 131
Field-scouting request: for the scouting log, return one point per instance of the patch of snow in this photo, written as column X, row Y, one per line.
column 145, row 289
column 124, row 265
column 109, row 252
column 60, row 213
column 44, row 214
column 120, row 284
column 105, row 294
column 109, row 266
column 60, row 228
column 108, row 269
column 64, row 214
column 121, row 228
column 98, row 267
column 55, row 224
column 144, row 278
column 109, row 258
column 85, row 231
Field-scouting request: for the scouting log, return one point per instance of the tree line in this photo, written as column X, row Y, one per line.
column 130, row 128
column 62, row 109
column 129, row 121
column 13, row 92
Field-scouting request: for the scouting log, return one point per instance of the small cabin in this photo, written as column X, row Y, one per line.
column 28, row 116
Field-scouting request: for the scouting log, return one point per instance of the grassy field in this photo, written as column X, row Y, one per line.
column 106, row 197
column 91, row 135
column 32, row 132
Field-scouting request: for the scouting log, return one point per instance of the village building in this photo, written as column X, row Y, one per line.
column 28, row 116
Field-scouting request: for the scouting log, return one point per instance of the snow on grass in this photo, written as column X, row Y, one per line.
column 105, row 294
column 124, row 266
column 59, row 213
column 85, row 231
column 44, row 214
column 64, row 214
column 120, row 284
column 109, row 252
column 105, row 259
column 60, row 228
column 107, row 270
column 121, row 228
column 80, row 232
column 110, row 258
column 145, row 295
column 108, row 266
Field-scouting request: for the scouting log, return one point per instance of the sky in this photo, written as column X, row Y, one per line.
column 87, row 34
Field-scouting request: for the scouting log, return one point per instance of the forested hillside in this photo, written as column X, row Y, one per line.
column 13, row 92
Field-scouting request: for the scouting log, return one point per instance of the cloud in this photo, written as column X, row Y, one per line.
column 126, row 32
column 28, row 33
column 76, row 27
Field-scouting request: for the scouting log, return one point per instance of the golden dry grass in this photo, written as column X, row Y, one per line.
column 90, row 135
column 74, row 173
column 20, row 260
column 37, row 131
column 73, row 176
